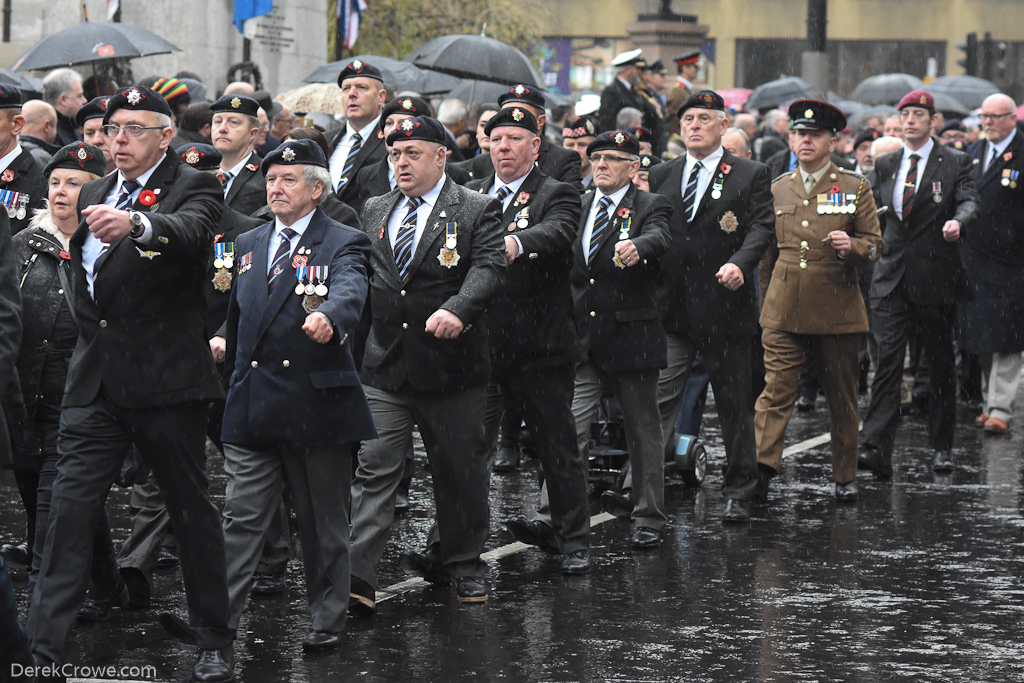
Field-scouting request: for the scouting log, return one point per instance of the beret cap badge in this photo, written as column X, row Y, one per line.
column 193, row 156
column 134, row 97
column 619, row 138
column 924, row 99
column 706, row 98
column 646, row 161
column 407, row 104
column 407, row 124
column 288, row 154
column 519, row 90
column 517, row 115
column 809, row 113
column 236, row 103
column 357, row 65
column 102, row 104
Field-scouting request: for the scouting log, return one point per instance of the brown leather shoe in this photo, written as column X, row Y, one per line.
column 980, row 421
column 994, row 425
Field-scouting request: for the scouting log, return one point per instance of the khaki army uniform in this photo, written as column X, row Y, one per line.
column 812, row 304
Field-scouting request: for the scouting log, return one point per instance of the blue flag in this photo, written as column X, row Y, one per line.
column 248, row 9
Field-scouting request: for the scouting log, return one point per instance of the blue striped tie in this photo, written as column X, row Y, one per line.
column 600, row 223
column 350, row 161
column 691, row 192
column 404, row 240
column 124, row 202
column 503, row 192
column 280, row 257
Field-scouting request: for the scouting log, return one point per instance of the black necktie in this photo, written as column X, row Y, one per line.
column 600, row 223
column 690, row 196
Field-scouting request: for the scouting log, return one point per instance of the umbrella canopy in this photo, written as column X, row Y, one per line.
column 324, row 98
column 784, row 89
column 886, row 88
column 479, row 57
column 395, row 71
column 735, row 98
column 90, row 43
column 948, row 104
column 22, row 81
column 969, row 90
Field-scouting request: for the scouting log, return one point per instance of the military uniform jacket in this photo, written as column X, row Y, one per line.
column 284, row 387
column 805, row 287
column 735, row 228
column 232, row 224
column 248, row 191
column 555, row 162
column 25, row 175
column 616, row 308
column 372, row 151
column 917, row 253
column 399, row 353
column 144, row 336
column 529, row 321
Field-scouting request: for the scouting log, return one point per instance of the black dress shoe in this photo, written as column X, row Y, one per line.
column 138, row 587
column 179, row 629
column 471, row 589
column 618, row 505
column 95, row 610
column 402, row 502
column 507, row 460
column 805, row 404
column 576, row 562
column 872, row 459
column 765, row 474
column 215, row 666
column 16, row 552
column 943, row 461
column 321, row 640
column 267, row 584
column 361, row 599
column 533, row 533
column 847, row 493
column 419, row 564
column 646, row 537
column 736, row 511
column 167, row 558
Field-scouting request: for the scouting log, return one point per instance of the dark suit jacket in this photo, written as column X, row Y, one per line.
column 372, row 181
column 144, row 336
column 993, row 253
column 918, row 253
column 693, row 301
column 529, row 322
column 399, row 352
column 617, row 96
column 556, row 162
column 248, row 190
column 232, row 224
column 616, row 308
column 286, row 388
column 372, row 151
column 10, row 327
column 28, row 179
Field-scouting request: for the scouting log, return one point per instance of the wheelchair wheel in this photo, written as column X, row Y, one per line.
column 691, row 459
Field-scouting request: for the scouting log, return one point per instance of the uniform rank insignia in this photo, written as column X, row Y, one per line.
column 147, row 254
column 729, row 222
column 449, row 255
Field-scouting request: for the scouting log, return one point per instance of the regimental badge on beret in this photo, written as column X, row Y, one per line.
column 809, row 113
column 519, row 90
column 407, row 104
column 706, row 98
column 81, row 155
column 192, row 156
column 407, row 125
column 924, row 100
column 619, row 138
column 645, row 161
column 516, row 114
column 102, row 104
column 134, row 97
column 590, row 126
column 236, row 103
column 288, row 154
column 357, row 65
column 729, row 222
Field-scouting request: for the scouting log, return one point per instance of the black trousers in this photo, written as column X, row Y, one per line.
column 896, row 318
column 92, row 444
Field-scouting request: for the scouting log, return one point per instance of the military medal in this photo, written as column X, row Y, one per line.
column 729, row 222
column 716, row 188
column 218, row 258
column 315, row 294
column 1005, row 182
column 624, row 229
column 619, row 263
column 937, row 192
column 10, row 200
column 320, row 275
column 245, row 263
column 300, row 275
column 521, row 220
column 22, row 207
column 449, row 255
column 1013, row 178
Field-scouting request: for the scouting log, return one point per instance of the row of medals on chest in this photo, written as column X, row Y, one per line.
column 16, row 204
column 312, row 282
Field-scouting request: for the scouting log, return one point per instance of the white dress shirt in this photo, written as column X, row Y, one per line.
column 998, row 149
column 422, row 214
column 901, row 176
column 337, row 162
column 709, row 168
column 235, row 171
column 93, row 247
column 514, row 187
column 588, row 229
column 8, row 158
column 274, row 243
column 391, row 173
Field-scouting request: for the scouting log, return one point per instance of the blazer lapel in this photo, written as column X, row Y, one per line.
column 446, row 203
column 615, row 220
column 381, row 240
column 578, row 253
column 931, row 168
column 254, row 288
column 1000, row 162
column 716, row 174
column 242, row 177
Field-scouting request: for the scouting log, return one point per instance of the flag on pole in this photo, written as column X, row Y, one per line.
column 112, row 7
column 249, row 9
column 349, row 14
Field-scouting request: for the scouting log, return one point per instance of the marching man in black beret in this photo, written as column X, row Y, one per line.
column 22, row 185
column 357, row 145
column 234, row 131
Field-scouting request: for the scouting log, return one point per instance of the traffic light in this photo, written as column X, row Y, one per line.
column 998, row 64
column 970, row 58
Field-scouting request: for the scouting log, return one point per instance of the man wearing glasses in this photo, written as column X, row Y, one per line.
column 142, row 372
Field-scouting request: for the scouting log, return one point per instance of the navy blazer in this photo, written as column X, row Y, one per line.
column 286, row 389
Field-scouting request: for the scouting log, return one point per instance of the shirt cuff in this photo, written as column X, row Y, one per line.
column 520, row 245
column 147, row 230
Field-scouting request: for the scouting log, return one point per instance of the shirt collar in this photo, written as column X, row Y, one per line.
column 623, row 81
column 710, row 162
column 513, row 186
column 9, row 158
column 365, row 131
column 298, row 226
column 616, row 196
column 999, row 147
column 238, row 167
column 141, row 180
column 685, row 82
column 924, row 152
column 430, row 196
column 816, row 175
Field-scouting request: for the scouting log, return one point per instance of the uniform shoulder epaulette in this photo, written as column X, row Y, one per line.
column 848, row 171
column 784, row 175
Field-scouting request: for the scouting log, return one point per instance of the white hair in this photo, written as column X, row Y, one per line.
column 451, row 111
column 885, row 141
column 773, row 116
column 58, row 82
column 628, row 117
column 743, row 136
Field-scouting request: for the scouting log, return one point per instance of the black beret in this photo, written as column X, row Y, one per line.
column 512, row 116
column 657, row 66
column 648, row 160
column 523, row 94
column 620, row 140
column 407, row 106
column 866, row 135
column 10, row 96
column 640, row 133
column 136, row 98
column 953, row 124
column 237, row 104
column 96, row 108
column 705, row 99
column 200, row 156
column 295, row 152
column 583, row 127
column 815, row 115
column 360, row 68
column 419, row 128
column 80, row 157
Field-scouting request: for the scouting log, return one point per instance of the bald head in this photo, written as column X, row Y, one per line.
column 239, row 88
column 747, row 123
column 998, row 117
column 40, row 120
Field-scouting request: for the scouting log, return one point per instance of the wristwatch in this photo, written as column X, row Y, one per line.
column 138, row 227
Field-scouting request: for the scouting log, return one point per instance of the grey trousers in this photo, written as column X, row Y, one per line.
column 1003, row 379
column 320, row 480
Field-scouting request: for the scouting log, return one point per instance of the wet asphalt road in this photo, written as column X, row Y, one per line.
column 919, row 581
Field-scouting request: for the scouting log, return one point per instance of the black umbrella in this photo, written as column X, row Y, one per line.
column 395, row 71
column 948, row 104
column 476, row 57
column 22, row 81
column 970, row 90
column 783, row 89
column 90, row 43
column 886, row 88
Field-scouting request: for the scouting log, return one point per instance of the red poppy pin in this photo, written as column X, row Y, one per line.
column 147, row 198
column 252, row 167
column 523, row 197
column 835, row 189
column 624, row 212
column 380, row 135
column 216, row 238
column 381, row 232
column 299, row 261
column 1007, row 156
column 7, row 176
column 64, row 254
column 725, row 168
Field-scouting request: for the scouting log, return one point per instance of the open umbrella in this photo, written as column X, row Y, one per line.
column 886, row 88
column 90, row 43
column 476, row 57
column 22, row 81
column 969, row 90
column 395, row 71
column 948, row 104
column 783, row 89
column 324, row 98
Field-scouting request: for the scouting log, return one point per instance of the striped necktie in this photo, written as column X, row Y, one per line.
column 503, row 193
column 600, row 223
column 225, row 178
column 406, row 235
column 910, row 188
column 280, row 258
column 350, row 161
column 690, row 195
column 124, row 202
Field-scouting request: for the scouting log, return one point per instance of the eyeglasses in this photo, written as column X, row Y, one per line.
column 132, row 131
column 598, row 158
column 992, row 117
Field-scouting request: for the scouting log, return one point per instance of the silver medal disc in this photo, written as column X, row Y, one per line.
column 1004, row 182
column 22, row 213
column 228, row 261
column 450, row 243
column 821, row 210
column 321, row 290
column 623, row 235
column 309, row 289
column 715, row 194
column 522, row 223
column 218, row 263
column 12, row 212
column 300, row 289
